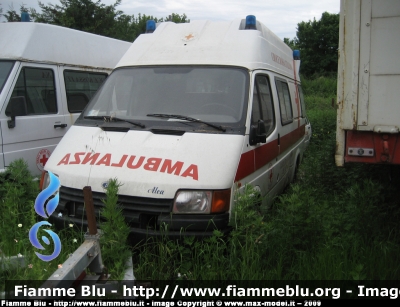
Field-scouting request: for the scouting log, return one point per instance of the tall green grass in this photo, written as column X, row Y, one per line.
column 18, row 192
column 113, row 241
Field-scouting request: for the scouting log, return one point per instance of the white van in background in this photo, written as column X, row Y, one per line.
column 192, row 113
column 47, row 76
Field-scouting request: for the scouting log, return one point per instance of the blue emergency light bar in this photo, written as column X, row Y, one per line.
column 296, row 54
column 250, row 22
column 25, row 17
column 150, row 26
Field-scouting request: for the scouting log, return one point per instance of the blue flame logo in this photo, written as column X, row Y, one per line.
column 35, row 242
column 45, row 194
column 41, row 210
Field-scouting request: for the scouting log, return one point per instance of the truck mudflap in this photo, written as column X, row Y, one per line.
column 372, row 147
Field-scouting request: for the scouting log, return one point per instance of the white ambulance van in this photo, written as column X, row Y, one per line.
column 47, row 76
column 192, row 113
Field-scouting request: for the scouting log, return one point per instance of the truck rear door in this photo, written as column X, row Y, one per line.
column 379, row 70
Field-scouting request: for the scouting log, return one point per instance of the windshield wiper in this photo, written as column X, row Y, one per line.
column 188, row 118
column 117, row 119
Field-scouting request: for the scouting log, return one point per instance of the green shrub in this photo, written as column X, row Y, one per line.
column 17, row 194
column 115, row 232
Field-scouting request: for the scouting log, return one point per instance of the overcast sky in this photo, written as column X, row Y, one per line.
column 280, row 16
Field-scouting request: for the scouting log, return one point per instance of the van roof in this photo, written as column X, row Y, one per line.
column 37, row 42
column 205, row 42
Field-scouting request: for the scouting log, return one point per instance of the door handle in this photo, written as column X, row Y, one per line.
column 60, row 126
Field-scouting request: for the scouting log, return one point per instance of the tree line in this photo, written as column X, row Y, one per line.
column 317, row 40
column 93, row 17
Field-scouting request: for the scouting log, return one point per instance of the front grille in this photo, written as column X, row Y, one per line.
column 71, row 200
column 145, row 216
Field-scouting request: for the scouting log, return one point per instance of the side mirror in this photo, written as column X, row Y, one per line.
column 16, row 107
column 258, row 134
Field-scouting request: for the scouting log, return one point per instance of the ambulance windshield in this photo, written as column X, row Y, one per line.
column 210, row 94
column 5, row 68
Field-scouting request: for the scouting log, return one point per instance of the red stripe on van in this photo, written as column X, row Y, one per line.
column 255, row 159
column 291, row 138
column 265, row 154
column 246, row 165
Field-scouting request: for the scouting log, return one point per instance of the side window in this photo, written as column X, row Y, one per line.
column 80, row 86
column 5, row 68
column 255, row 111
column 302, row 103
column 36, row 85
column 262, row 104
column 285, row 104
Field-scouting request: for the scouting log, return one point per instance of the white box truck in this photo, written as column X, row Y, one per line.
column 192, row 113
column 47, row 76
column 368, row 92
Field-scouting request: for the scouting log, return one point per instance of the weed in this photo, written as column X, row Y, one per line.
column 18, row 192
column 115, row 231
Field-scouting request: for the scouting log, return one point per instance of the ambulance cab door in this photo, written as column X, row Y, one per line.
column 263, row 135
column 8, row 70
column 32, row 122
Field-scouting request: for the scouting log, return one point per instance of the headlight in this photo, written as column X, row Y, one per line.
column 192, row 202
column 202, row 202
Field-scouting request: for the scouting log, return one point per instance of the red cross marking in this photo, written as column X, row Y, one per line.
column 190, row 36
column 44, row 159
